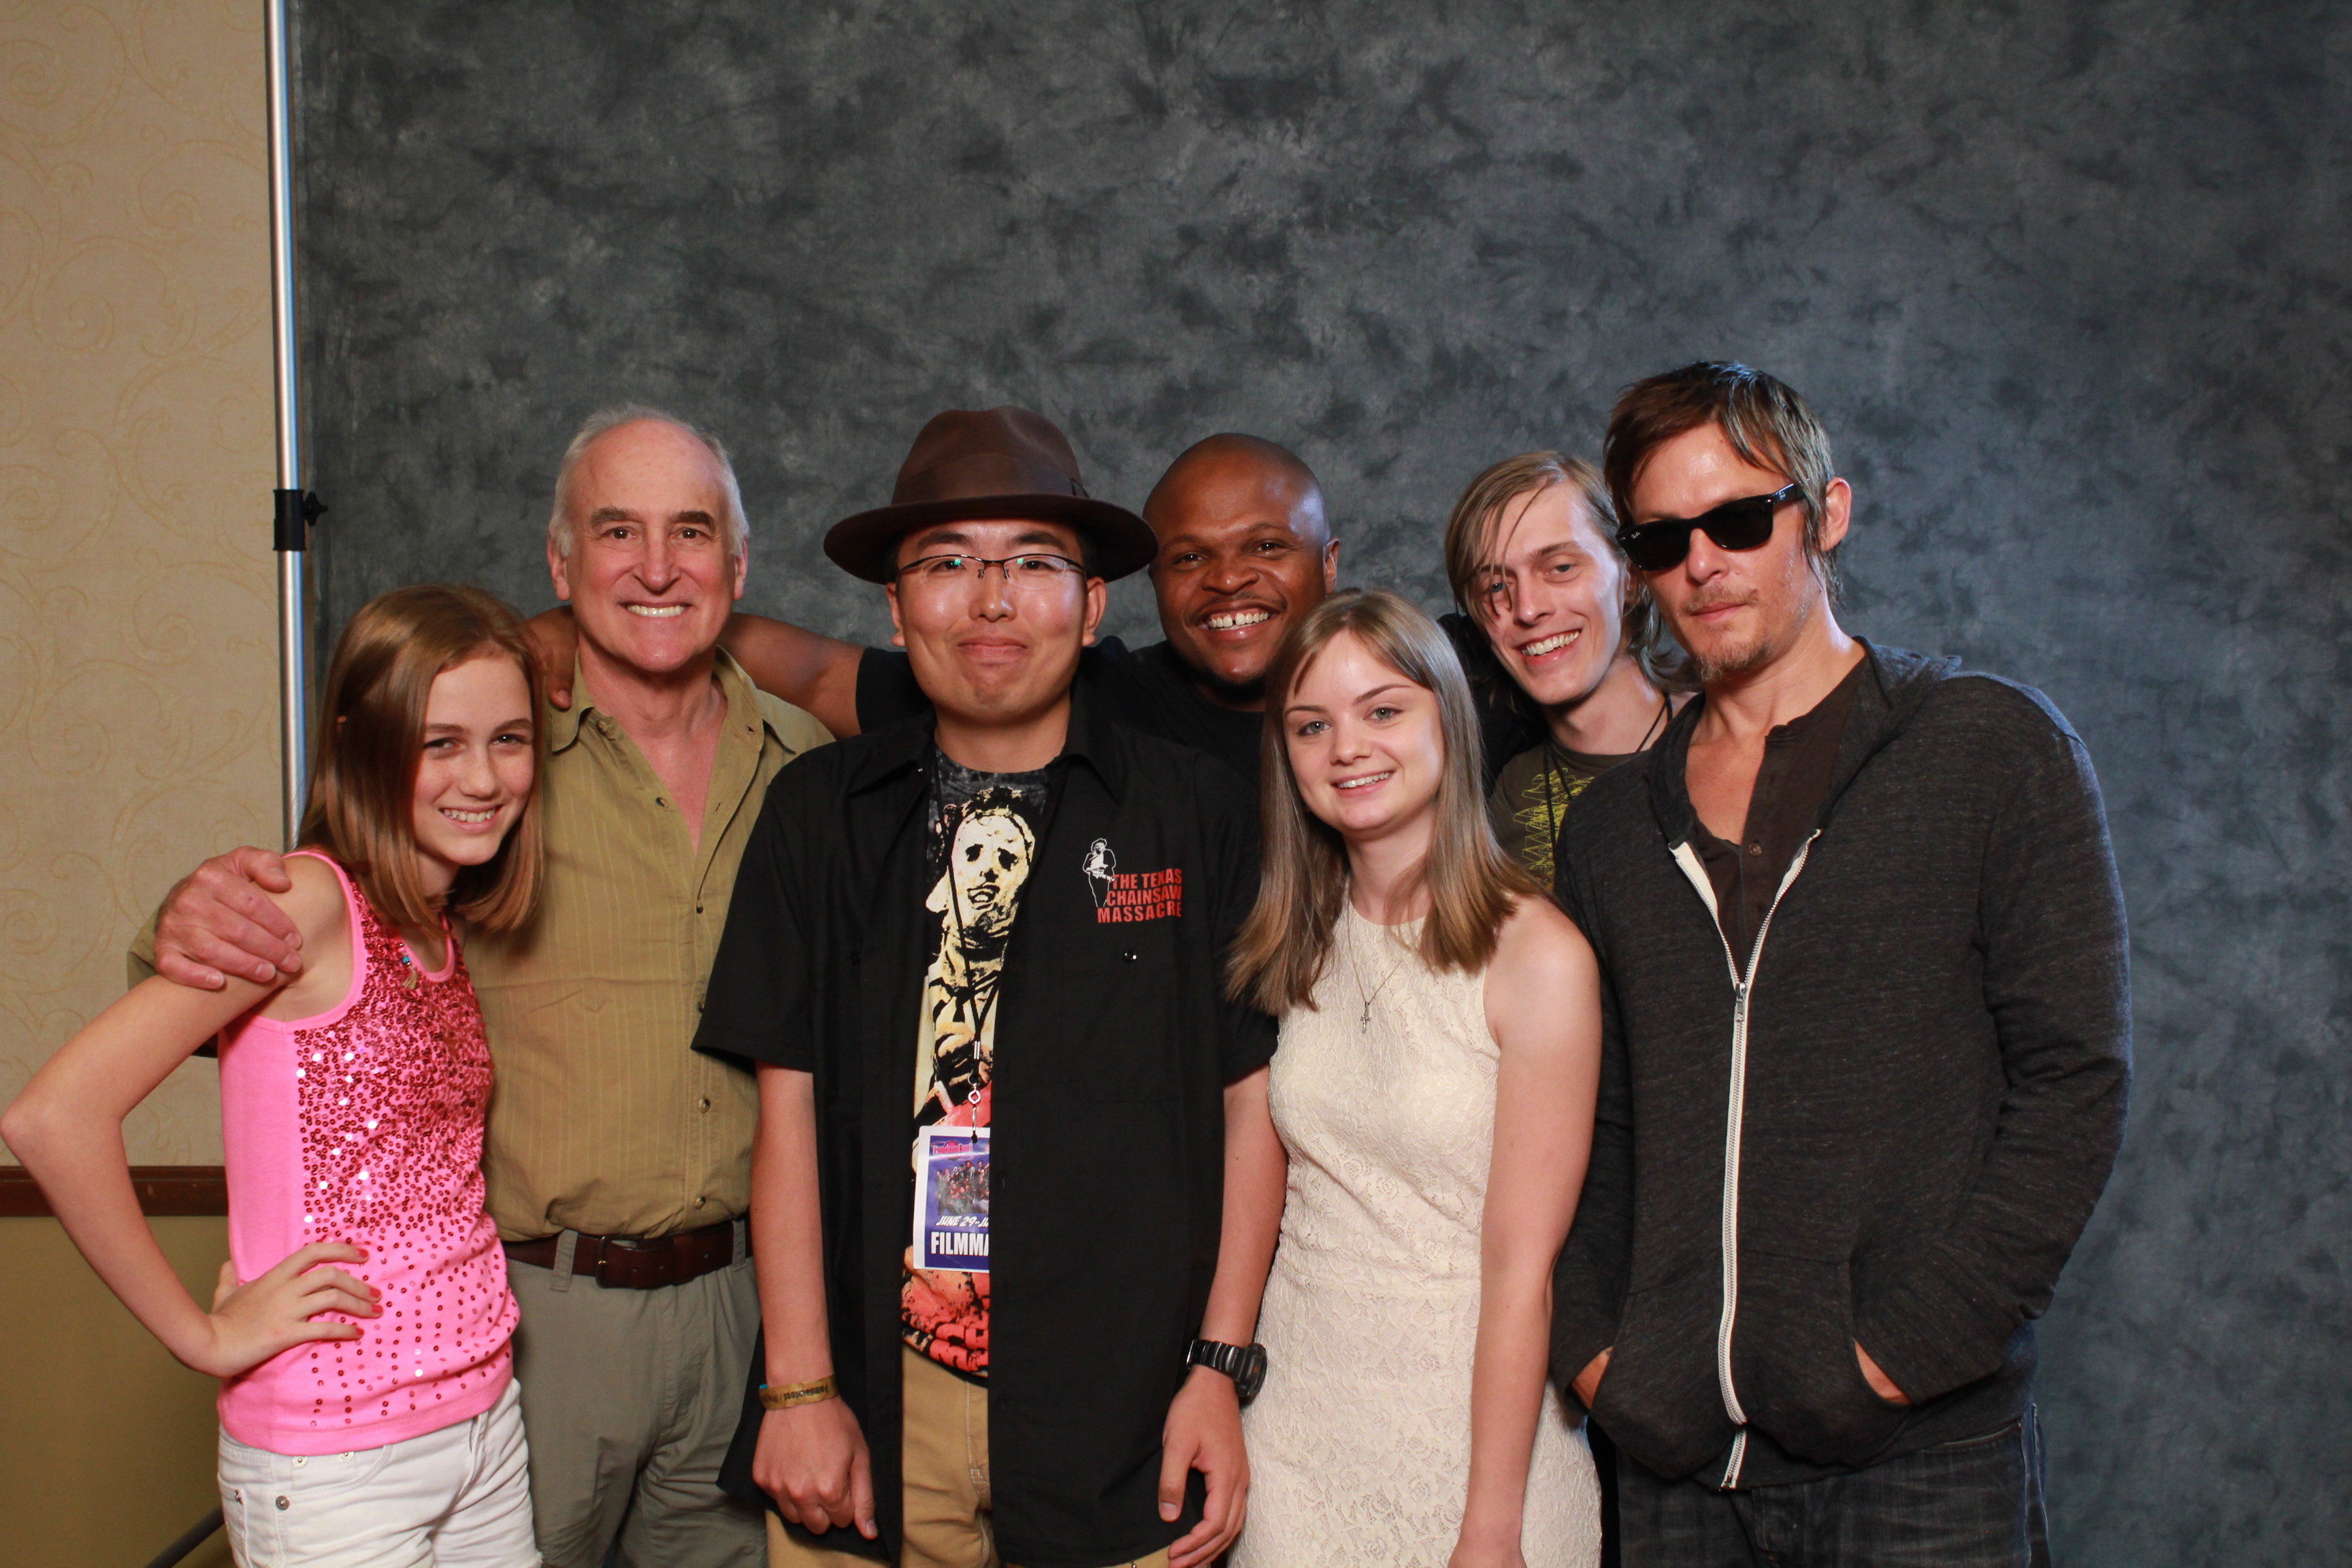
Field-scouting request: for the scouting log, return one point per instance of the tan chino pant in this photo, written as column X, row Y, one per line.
column 949, row 1506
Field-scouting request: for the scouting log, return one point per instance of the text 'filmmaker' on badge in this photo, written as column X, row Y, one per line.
column 951, row 1198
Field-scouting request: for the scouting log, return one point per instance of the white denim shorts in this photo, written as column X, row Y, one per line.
column 458, row 1498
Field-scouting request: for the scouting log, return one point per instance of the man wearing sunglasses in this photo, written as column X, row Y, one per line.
column 1868, row 1045
column 1000, row 892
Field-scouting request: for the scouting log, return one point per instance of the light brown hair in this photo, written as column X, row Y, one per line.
column 1284, row 944
column 1472, row 539
column 372, row 741
column 1762, row 417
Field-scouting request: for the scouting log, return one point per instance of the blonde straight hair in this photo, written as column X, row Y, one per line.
column 1472, row 884
column 361, row 809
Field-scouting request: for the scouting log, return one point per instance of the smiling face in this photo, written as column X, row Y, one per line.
column 1244, row 550
column 650, row 576
column 986, row 651
column 1733, row 610
column 474, row 772
column 1552, row 598
column 1367, row 745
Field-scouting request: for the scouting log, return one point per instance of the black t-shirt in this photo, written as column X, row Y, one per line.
column 983, row 830
column 1153, row 690
column 1113, row 1043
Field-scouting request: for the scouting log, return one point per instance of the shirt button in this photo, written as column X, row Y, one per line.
column 699, row 1202
column 706, row 1102
column 1756, row 849
column 283, row 1505
column 659, row 801
column 697, row 909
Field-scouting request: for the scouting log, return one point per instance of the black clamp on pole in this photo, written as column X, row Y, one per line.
column 297, row 511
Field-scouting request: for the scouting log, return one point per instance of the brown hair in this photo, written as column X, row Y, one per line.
column 1762, row 417
column 372, row 739
column 1287, row 940
column 1471, row 542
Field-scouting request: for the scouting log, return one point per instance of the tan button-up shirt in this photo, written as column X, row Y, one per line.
column 604, row 1119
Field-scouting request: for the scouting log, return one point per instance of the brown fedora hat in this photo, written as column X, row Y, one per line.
column 991, row 463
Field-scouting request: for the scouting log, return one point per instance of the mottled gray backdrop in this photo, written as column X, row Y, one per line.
column 2067, row 281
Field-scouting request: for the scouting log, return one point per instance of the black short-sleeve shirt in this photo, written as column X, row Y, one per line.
column 1114, row 1044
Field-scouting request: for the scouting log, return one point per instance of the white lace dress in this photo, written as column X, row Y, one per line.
column 1359, row 1443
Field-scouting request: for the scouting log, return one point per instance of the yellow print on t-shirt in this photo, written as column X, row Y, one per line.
column 991, row 848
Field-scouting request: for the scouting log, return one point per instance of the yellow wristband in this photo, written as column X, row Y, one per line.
column 797, row 1393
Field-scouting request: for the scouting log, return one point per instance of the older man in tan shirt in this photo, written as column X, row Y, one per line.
column 618, row 1160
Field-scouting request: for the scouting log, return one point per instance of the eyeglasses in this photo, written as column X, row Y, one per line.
column 1021, row 572
column 1743, row 525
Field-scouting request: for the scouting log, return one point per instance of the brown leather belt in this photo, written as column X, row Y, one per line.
column 637, row 1262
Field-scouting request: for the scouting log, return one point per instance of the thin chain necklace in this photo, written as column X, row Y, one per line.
column 1364, row 1019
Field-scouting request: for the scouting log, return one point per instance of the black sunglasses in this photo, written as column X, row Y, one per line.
column 1743, row 525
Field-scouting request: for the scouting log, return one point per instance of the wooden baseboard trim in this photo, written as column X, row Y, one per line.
column 163, row 1190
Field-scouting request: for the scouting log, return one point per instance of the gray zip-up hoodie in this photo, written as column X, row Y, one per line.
column 1887, row 1123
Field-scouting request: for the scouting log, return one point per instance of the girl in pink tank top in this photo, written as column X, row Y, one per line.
column 361, row 1326
column 362, row 1124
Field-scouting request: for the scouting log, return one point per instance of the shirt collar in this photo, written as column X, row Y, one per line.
column 563, row 724
column 901, row 748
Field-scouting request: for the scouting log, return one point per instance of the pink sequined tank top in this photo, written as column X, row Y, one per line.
column 365, row 1124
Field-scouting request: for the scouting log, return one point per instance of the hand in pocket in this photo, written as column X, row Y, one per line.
column 1880, row 1383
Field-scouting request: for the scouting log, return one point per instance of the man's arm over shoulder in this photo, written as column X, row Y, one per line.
column 809, row 669
column 2057, row 985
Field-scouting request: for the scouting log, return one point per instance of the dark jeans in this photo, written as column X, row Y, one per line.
column 1971, row 1504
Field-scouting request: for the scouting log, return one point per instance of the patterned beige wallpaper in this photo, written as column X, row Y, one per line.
column 138, row 649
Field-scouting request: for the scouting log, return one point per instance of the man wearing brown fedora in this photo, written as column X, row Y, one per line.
column 1000, row 879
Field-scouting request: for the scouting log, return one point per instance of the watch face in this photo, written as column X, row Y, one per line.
column 1251, row 1375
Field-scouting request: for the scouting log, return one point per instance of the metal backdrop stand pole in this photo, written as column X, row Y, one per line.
column 296, row 509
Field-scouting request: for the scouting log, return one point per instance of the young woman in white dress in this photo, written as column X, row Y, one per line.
column 1433, row 1091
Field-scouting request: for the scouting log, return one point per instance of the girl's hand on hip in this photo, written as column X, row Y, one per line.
column 252, row 1321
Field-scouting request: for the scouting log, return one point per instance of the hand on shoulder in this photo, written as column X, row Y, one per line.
column 218, row 921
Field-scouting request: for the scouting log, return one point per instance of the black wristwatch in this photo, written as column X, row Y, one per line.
column 1245, row 1364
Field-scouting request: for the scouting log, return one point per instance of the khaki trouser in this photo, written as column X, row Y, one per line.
column 949, row 1506
column 631, row 1398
